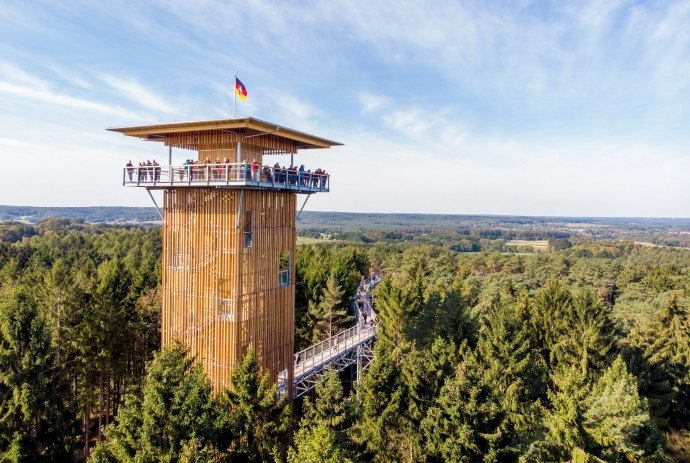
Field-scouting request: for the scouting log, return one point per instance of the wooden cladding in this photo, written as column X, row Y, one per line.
column 220, row 295
column 218, row 141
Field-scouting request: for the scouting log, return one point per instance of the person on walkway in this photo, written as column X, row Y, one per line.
column 276, row 172
column 301, row 175
column 130, row 169
column 255, row 170
column 227, row 169
column 247, row 170
column 292, row 175
column 217, row 170
column 156, row 171
column 268, row 175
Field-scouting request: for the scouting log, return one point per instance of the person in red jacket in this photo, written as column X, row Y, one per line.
column 255, row 170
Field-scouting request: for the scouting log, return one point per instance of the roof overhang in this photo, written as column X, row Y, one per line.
column 244, row 127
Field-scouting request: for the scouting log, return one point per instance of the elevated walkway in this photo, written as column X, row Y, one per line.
column 349, row 347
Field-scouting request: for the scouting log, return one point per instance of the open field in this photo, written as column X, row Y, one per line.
column 537, row 245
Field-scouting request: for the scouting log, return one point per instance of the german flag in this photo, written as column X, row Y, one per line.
column 240, row 89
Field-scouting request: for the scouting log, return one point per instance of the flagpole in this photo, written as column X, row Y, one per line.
column 234, row 101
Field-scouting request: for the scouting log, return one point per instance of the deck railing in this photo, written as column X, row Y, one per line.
column 224, row 174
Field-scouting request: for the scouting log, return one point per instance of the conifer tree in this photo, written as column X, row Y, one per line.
column 321, row 434
column 331, row 314
column 382, row 427
column 253, row 415
column 424, row 372
column 668, row 358
column 395, row 311
column 567, row 406
column 587, row 335
column 316, row 444
column 515, row 375
column 617, row 419
column 36, row 413
column 463, row 425
column 176, row 420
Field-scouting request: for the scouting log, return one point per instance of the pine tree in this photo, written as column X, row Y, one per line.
column 515, row 375
column 331, row 314
column 382, row 426
column 316, row 444
column 668, row 358
column 587, row 335
column 177, row 417
column 253, row 415
column 36, row 415
column 395, row 311
column 617, row 419
column 463, row 425
column 321, row 435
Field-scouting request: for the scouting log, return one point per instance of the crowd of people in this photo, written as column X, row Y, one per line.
column 193, row 170
column 148, row 171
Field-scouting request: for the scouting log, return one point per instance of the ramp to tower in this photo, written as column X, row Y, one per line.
column 353, row 346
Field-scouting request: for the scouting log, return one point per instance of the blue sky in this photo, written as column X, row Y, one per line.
column 517, row 107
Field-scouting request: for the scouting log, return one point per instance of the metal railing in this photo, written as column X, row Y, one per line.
column 225, row 174
column 317, row 354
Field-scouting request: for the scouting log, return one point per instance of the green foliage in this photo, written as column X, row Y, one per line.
column 463, row 424
column 316, row 444
column 382, row 428
column 36, row 424
column 258, row 423
column 617, row 419
column 329, row 315
column 323, row 426
column 177, row 416
column 315, row 265
column 574, row 355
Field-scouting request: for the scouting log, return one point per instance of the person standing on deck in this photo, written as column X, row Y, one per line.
column 130, row 169
column 247, row 170
column 255, row 170
column 301, row 175
column 228, row 169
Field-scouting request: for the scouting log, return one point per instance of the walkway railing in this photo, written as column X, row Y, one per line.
column 225, row 174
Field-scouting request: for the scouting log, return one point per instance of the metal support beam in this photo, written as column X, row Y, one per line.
column 155, row 204
column 239, row 210
column 303, row 204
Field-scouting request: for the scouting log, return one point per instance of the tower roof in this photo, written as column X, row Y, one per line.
column 193, row 135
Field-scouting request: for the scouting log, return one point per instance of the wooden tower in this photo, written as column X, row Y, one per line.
column 229, row 238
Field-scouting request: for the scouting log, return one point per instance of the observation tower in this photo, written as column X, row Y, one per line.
column 229, row 238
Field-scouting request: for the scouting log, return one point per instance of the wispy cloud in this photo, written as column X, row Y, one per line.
column 54, row 98
column 139, row 94
column 372, row 103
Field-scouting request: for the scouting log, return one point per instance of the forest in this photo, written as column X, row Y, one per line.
column 579, row 353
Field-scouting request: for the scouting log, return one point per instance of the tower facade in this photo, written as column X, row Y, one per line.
column 229, row 238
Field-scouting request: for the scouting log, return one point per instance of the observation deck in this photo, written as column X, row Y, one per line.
column 227, row 175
